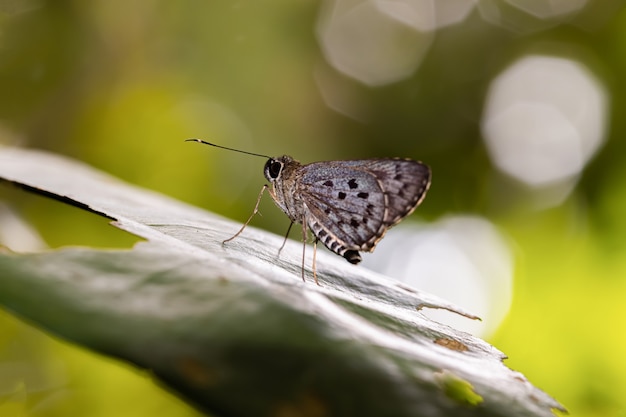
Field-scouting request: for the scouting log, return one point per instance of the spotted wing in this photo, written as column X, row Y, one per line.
column 404, row 183
column 351, row 204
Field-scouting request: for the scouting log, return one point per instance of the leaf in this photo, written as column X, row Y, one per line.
column 232, row 328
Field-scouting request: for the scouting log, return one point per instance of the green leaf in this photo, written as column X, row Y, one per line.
column 232, row 328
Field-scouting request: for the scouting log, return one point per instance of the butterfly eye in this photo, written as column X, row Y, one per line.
column 273, row 169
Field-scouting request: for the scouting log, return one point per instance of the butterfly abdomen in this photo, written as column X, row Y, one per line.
column 352, row 256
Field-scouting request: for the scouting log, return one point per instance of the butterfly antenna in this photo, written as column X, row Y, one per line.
column 224, row 147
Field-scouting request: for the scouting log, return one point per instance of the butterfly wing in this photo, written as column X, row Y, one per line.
column 338, row 212
column 403, row 181
column 351, row 204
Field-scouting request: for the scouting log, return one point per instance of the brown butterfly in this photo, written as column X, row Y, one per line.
column 348, row 205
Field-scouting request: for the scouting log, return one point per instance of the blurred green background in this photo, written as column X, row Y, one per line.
column 120, row 85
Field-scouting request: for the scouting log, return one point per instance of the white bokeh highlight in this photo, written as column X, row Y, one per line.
column 463, row 259
column 17, row 234
column 378, row 42
column 547, row 9
column 544, row 119
column 527, row 16
column 426, row 15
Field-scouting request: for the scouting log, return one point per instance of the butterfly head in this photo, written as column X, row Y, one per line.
column 274, row 167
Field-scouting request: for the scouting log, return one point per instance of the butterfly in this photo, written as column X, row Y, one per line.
column 347, row 205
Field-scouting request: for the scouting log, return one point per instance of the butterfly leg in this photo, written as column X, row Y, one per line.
column 254, row 212
column 303, row 245
column 286, row 236
column 314, row 256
